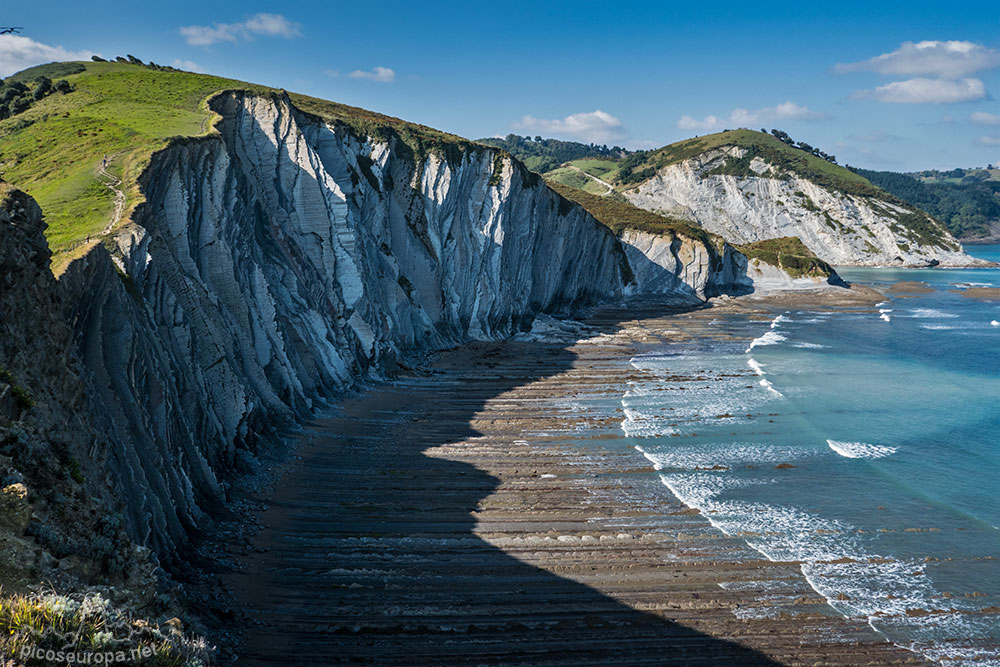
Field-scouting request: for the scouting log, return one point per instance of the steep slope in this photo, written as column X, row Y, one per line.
column 285, row 250
column 967, row 201
column 749, row 186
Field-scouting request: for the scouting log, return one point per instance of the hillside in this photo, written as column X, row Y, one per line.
column 750, row 186
column 966, row 200
column 55, row 149
column 542, row 155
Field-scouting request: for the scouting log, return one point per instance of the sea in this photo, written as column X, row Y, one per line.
column 862, row 443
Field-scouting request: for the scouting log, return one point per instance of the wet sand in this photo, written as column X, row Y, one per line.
column 487, row 510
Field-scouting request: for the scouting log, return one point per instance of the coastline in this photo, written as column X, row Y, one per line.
column 487, row 509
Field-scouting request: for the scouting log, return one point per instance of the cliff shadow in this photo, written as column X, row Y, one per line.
column 368, row 551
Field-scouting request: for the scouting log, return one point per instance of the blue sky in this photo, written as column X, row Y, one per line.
column 888, row 86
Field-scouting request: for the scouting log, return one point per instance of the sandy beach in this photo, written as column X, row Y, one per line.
column 487, row 510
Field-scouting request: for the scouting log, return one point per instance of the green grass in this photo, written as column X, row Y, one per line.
column 53, row 150
column 766, row 146
column 87, row 627
column 620, row 216
column 598, row 167
column 569, row 177
column 790, row 254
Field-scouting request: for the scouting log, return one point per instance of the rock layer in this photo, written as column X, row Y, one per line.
column 284, row 258
column 841, row 228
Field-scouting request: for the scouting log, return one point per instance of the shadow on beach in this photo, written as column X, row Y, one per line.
column 368, row 551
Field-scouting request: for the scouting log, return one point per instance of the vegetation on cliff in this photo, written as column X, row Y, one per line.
column 789, row 254
column 967, row 201
column 543, row 155
column 620, row 216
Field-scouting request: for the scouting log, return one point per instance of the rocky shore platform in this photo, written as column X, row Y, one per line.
column 487, row 510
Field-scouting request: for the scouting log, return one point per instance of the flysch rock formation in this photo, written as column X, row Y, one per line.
column 284, row 259
column 842, row 229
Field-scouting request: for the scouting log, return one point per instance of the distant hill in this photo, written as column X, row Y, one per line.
column 542, row 155
column 749, row 186
column 966, row 200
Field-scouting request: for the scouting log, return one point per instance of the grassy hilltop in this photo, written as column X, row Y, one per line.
column 629, row 171
column 125, row 111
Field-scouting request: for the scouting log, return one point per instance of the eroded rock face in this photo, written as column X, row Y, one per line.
column 285, row 259
column 840, row 228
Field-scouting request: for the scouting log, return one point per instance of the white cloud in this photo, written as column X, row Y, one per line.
column 594, row 126
column 950, row 60
column 188, row 65
column 989, row 141
column 380, row 74
column 744, row 117
column 18, row 53
column 268, row 25
column 923, row 91
column 332, row 73
column 983, row 118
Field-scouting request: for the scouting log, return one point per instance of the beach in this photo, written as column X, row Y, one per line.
column 486, row 509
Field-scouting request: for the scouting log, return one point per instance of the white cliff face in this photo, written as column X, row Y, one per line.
column 673, row 264
column 286, row 259
column 841, row 229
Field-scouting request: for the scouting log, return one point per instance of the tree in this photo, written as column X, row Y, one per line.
column 43, row 86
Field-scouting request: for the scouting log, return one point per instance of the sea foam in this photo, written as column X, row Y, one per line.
column 771, row 337
column 860, row 450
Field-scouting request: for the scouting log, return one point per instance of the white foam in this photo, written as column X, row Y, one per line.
column 638, row 425
column 994, row 323
column 937, row 327
column 770, row 387
column 769, row 338
column 860, row 450
column 930, row 313
column 729, row 454
column 885, row 318
column 778, row 320
column 757, row 367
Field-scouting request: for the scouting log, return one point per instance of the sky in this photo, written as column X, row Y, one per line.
column 897, row 86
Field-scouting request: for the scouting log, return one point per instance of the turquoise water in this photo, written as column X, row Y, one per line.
column 884, row 423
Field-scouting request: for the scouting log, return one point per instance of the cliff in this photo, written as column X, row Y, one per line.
column 748, row 194
column 282, row 259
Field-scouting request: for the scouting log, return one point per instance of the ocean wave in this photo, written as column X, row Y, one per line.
column 860, row 450
column 937, row 327
column 994, row 323
column 638, row 425
column 769, row 338
column 930, row 313
column 756, row 366
column 810, row 346
column 728, row 454
column 838, row 564
column 770, row 387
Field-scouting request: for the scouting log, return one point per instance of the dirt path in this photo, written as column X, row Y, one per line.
column 610, row 187
column 112, row 183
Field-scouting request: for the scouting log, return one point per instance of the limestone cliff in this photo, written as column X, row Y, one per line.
column 284, row 258
column 763, row 200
